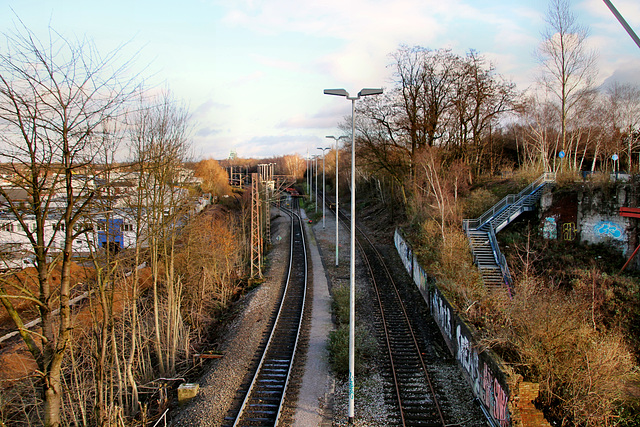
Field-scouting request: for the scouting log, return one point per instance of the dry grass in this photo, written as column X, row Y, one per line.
column 550, row 337
column 115, row 332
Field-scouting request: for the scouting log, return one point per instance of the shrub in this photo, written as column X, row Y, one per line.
column 553, row 338
column 340, row 303
column 449, row 259
column 528, row 173
column 365, row 350
column 478, row 202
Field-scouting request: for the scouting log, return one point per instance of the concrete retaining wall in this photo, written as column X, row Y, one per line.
column 482, row 369
column 591, row 215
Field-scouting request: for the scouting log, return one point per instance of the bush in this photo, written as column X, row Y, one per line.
column 449, row 259
column 340, row 304
column 478, row 202
column 527, row 174
column 365, row 350
column 555, row 338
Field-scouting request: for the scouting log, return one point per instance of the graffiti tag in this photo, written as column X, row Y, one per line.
column 608, row 229
column 442, row 315
column 550, row 228
column 569, row 231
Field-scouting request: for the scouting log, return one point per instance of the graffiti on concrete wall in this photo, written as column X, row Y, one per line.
column 405, row 252
column 494, row 397
column 550, row 228
column 442, row 315
column 569, row 231
column 419, row 275
column 608, row 229
column 484, row 375
column 468, row 358
column 410, row 262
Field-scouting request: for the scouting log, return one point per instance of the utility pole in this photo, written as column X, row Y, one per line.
column 256, row 236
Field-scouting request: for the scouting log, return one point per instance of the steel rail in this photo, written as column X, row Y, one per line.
column 407, row 322
column 281, row 321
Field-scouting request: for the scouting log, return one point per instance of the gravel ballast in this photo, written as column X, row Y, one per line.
column 320, row 399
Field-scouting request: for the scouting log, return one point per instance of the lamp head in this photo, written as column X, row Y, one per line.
column 365, row 92
column 337, row 92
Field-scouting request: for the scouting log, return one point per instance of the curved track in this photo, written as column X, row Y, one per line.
column 413, row 391
column 263, row 398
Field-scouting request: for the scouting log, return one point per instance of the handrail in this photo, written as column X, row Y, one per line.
column 500, row 259
column 510, row 203
column 507, row 201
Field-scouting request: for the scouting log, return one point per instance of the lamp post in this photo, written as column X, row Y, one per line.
column 316, row 178
column 308, row 176
column 337, row 139
column 323, row 183
column 352, row 270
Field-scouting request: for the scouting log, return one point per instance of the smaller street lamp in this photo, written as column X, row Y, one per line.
column 315, row 157
column 337, row 139
column 323, row 184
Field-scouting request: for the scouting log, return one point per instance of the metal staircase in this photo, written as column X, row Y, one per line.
column 482, row 231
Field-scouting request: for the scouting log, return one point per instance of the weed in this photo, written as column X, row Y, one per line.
column 365, row 350
column 340, row 304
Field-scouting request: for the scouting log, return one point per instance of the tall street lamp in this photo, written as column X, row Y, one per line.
column 337, row 139
column 352, row 274
column 306, row 163
column 323, row 184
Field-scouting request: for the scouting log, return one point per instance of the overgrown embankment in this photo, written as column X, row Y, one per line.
column 572, row 322
column 120, row 370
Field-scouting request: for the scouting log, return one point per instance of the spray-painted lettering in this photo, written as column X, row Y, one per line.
column 442, row 315
column 494, row 397
column 608, row 229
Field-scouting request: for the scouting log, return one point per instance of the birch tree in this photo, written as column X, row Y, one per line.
column 568, row 65
column 159, row 146
column 623, row 102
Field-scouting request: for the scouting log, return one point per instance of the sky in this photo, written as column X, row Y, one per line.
column 252, row 72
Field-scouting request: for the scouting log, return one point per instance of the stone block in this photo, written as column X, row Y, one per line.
column 187, row 391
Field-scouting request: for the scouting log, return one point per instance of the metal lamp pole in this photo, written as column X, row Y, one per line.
column 308, row 171
column 323, row 183
column 316, row 176
column 337, row 139
column 352, row 274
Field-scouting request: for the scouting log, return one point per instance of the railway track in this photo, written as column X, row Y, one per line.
column 263, row 394
column 412, row 393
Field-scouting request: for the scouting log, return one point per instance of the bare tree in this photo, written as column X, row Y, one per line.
column 292, row 165
column 623, row 102
column 159, row 146
column 568, row 64
column 481, row 98
column 55, row 98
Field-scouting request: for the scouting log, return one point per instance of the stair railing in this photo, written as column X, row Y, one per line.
column 507, row 201
column 500, row 259
column 511, row 202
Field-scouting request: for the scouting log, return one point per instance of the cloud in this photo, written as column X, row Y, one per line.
column 248, row 78
column 276, row 63
column 629, row 9
column 207, row 131
column 206, row 107
column 323, row 119
column 624, row 72
column 276, row 145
